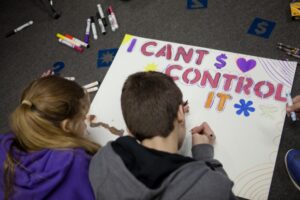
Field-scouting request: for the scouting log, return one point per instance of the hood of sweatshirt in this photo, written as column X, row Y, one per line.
column 46, row 174
column 157, row 175
column 142, row 162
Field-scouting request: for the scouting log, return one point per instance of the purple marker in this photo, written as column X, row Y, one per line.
column 87, row 31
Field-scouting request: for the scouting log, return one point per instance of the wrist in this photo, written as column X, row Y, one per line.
column 199, row 139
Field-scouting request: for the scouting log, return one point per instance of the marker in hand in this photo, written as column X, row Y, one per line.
column 202, row 134
column 290, row 103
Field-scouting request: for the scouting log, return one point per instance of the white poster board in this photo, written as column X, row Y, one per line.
column 242, row 97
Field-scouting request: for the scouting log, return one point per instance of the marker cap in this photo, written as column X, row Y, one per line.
column 109, row 10
column 92, row 19
column 79, row 49
column 98, row 15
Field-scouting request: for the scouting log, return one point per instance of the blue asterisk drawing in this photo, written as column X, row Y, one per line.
column 244, row 107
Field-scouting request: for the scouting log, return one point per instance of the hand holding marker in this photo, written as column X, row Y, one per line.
column 293, row 107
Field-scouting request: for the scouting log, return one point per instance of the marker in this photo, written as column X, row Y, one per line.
column 10, row 33
column 93, row 89
column 114, row 19
column 60, row 36
column 290, row 103
column 94, row 28
column 92, row 84
column 294, row 55
column 111, row 21
column 103, row 31
column 284, row 49
column 87, row 31
column 185, row 103
column 76, row 48
column 101, row 14
column 81, row 43
column 286, row 46
column 71, row 78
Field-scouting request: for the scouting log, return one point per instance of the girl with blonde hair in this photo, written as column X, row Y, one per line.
column 47, row 156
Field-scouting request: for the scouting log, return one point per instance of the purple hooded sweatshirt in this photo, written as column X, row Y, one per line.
column 47, row 174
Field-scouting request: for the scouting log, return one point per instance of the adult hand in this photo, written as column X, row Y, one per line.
column 203, row 134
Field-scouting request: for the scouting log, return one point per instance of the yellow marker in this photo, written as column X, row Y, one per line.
column 60, row 36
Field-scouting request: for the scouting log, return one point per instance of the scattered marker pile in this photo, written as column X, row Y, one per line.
column 79, row 45
column 292, row 51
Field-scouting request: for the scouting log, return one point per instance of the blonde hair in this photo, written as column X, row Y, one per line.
column 37, row 121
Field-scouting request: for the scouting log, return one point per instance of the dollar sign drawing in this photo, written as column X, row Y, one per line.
column 221, row 59
column 261, row 28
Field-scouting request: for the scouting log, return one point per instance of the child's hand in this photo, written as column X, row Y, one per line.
column 49, row 72
column 295, row 107
column 203, row 134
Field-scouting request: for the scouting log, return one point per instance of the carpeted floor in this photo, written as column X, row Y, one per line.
column 223, row 25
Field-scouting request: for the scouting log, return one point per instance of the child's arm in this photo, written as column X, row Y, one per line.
column 203, row 138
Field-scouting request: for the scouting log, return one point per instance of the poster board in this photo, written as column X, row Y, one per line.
column 242, row 97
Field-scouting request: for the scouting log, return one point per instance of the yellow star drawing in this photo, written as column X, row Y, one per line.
column 151, row 67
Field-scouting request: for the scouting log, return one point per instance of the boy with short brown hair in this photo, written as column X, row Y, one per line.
column 145, row 165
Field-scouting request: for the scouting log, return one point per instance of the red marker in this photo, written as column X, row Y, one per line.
column 114, row 22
